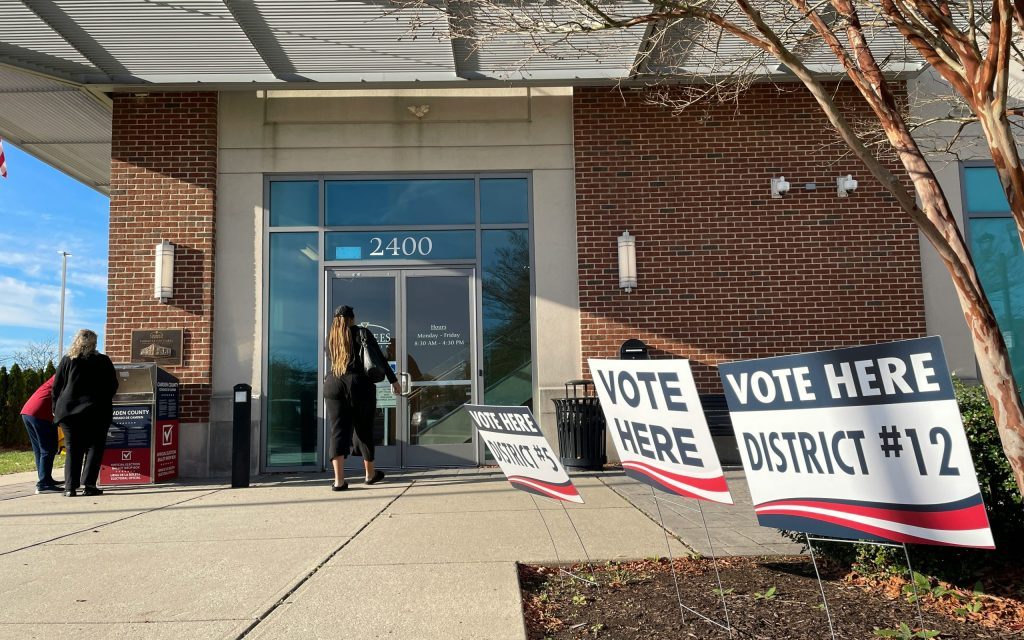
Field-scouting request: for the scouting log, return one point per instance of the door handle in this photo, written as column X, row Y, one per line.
column 406, row 383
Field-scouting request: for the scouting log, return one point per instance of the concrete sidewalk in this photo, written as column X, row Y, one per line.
column 733, row 528
column 423, row 555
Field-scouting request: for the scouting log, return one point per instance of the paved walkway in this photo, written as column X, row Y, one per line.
column 733, row 528
column 424, row 555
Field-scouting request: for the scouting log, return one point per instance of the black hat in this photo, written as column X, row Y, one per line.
column 344, row 311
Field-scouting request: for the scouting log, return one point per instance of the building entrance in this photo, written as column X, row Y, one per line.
column 438, row 267
column 424, row 320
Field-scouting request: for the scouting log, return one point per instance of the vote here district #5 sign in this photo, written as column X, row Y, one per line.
column 862, row 443
column 515, row 440
column 658, row 427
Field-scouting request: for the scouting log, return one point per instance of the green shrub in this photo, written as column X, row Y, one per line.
column 1003, row 500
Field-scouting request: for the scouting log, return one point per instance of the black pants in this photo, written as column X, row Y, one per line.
column 86, row 440
column 351, row 407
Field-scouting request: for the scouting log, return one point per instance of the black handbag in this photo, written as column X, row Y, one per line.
column 370, row 366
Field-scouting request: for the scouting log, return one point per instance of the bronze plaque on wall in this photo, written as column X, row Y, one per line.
column 162, row 346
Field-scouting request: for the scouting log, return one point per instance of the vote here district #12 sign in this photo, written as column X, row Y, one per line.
column 516, row 442
column 658, row 427
column 864, row 443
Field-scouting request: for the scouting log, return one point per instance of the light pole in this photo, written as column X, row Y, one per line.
column 63, row 284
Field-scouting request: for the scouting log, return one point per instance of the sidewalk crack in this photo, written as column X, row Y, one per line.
column 106, row 524
column 314, row 570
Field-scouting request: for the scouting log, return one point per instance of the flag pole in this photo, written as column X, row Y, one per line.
column 63, row 285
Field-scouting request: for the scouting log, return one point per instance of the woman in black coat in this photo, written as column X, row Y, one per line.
column 83, row 394
column 350, row 396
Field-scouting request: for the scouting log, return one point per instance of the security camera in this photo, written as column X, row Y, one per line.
column 844, row 185
column 779, row 186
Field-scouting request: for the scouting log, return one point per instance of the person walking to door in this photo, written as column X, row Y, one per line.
column 37, row 414
column 83, row 394
column 350, row 396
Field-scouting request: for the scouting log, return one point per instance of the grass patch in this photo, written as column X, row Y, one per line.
column 12, row 461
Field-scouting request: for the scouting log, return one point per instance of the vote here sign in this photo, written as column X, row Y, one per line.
column 516, row 442
column 861, row 443
column 658, row 427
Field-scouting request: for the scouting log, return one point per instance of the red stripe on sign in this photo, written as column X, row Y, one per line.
column 557, row 491
column 881, row 532
column 671, row 488
column 707, row 484
column 972, row 517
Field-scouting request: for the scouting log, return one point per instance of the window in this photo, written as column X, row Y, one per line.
column 412, row 202
column 508, row 376
column 292, row 345
column 996, row 249
column 294, row 204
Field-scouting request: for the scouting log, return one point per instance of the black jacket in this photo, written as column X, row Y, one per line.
column 83, row 389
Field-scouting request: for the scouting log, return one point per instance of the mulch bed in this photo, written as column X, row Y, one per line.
column 775, row 598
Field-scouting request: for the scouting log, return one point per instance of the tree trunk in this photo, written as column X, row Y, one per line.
column 1003, row 147
column 989, row 347
column 936, row 220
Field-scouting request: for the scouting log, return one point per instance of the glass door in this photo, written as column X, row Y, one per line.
column 374, row 296
column 424, row 321
column 438, row 375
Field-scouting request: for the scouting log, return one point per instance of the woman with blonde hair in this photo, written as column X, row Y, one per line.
column 351, row 397
column 83, row 394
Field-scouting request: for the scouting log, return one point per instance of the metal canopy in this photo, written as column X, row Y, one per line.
column 59, row 58
column 110, row 43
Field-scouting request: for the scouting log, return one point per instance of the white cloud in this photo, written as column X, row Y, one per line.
column 12, row 345
column 43, row 263
column 93, row 280
column 37, row 306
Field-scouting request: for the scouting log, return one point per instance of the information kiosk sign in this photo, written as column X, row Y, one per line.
column 515, row 440
column 658, row 427
column 864, row 443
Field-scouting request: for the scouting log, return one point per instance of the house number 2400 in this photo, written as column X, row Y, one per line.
column 407, row 246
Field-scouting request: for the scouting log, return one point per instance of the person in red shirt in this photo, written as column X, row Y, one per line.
column 37, row 414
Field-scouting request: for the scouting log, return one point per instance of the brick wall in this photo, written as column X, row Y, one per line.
column 726, row 272
column 162, row 186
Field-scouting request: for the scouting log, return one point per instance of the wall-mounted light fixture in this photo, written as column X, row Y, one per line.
column 164, row 271
column 779, row 186
column 844, row 185
column 627, row 261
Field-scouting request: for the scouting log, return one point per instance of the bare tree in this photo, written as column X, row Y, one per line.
column 34, row 355
column 719, row 47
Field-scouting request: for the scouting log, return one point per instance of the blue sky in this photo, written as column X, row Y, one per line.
column 43, row 211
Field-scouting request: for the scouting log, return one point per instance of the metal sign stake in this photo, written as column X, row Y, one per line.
column 671, row 560
column 562, row 571
column 913, row 583
column 593, row 569
column 554, row 546
column 821, row 585
column 875, row 543
column 657, row 503
column 714, row 563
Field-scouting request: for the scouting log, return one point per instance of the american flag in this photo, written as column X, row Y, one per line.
column 3, row 162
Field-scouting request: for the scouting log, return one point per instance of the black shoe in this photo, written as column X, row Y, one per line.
column 92, row 491
column 378, row 475
column 49, row 488
column 343, row 487
column 70, row 493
